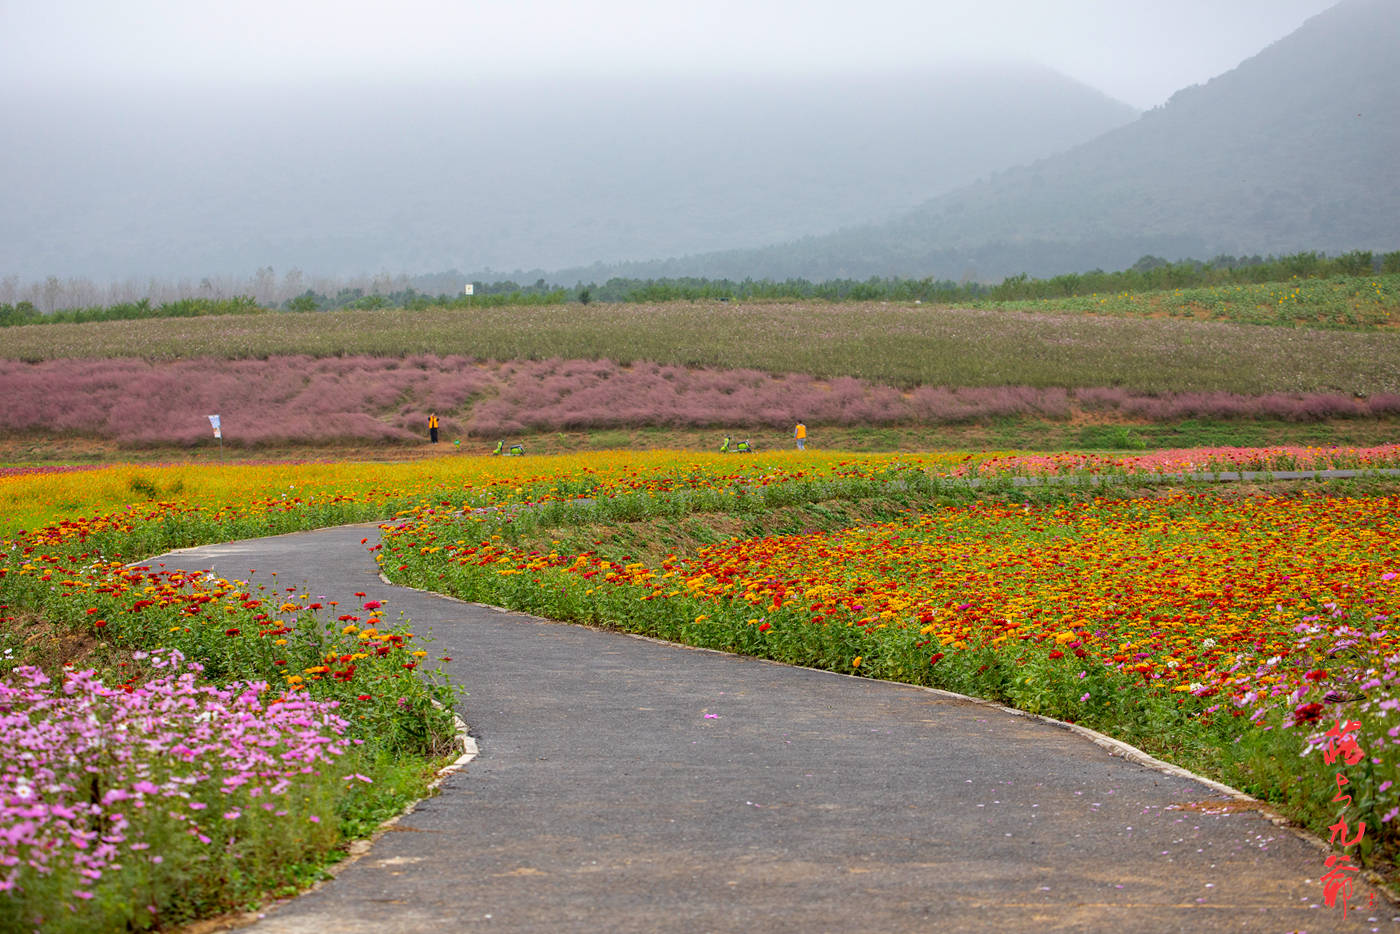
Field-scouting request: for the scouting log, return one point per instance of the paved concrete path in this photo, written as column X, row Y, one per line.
column 629, row 786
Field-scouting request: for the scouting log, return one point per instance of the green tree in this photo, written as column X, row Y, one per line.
column 304, row 302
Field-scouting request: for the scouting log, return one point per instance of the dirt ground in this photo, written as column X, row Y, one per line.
column 1000, row 435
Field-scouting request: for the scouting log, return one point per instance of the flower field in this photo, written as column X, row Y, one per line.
column 1225, row 632
column 1186, row 461
column 117, row 796
column 249, row 729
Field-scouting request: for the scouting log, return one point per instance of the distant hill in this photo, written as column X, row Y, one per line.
column 1296, row 149
column 185, row 182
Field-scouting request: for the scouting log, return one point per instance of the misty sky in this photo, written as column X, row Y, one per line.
column 1139, row 51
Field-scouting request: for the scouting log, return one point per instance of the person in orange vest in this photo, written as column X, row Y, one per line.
column 433, row 428
column 800, row 433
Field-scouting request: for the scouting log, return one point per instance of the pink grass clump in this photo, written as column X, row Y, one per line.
column 281, row 399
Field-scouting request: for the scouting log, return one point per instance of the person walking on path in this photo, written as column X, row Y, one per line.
column 433, row 428
column 800, row 433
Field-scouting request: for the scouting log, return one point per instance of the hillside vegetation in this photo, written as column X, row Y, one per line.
column 901, row 345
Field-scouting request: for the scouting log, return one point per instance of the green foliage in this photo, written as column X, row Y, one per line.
column 305, row 302
column 1332, row 301
column 24, row 312
column 1111, row 437
column 1148, row 274
column 369, row 303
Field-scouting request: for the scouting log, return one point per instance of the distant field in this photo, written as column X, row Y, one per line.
column 892, row 344
column 1338, row 302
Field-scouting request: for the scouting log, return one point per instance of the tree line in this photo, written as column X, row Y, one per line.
column 1148, row 274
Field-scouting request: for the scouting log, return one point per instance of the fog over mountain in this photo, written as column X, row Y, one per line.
column 1296, row 149
column 345, row 180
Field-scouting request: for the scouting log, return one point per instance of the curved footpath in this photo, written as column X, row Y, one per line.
column 625, row 785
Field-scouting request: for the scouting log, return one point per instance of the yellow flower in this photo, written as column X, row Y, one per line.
column 856, row 662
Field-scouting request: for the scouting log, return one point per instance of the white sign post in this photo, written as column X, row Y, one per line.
column 218, row 432
column 469, row 288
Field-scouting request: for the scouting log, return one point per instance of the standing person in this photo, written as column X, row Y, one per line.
column 800, row 433
column 433, row 427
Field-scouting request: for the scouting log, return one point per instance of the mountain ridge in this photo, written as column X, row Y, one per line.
column 1292, row 150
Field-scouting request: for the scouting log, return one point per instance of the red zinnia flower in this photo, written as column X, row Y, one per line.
column 1307, row 713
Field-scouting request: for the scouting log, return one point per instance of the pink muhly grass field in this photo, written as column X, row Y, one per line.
column 377, row 399
column 281, row 399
